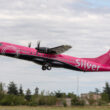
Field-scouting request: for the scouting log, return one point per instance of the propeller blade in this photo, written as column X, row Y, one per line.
column 38, row 45
column 29, row 45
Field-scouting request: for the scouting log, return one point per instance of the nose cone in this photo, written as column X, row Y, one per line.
column 1, row 45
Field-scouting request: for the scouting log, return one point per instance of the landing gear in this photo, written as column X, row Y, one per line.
column 49, row 67
column 46, row 66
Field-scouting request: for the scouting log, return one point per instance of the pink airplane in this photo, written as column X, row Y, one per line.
column 52, row 57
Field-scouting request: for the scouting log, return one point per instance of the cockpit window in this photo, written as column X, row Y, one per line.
column 0, row 44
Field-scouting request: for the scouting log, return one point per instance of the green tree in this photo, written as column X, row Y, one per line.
column 97, row 91
column 36, row 91
column 12, row 100
column 71, row 95
column 12, row 88
column 2, row 92
column 107, row 90
column 1, row 87
column 75, row 100
column 104, row 97
column 28, row 95
column 21, row 90
column 58, row 94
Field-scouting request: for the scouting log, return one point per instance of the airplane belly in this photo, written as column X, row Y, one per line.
column 55, row 63
column 52, row 62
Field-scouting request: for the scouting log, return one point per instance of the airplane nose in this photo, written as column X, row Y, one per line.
column 0, row 48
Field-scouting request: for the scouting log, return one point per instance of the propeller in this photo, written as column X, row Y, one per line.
column 29, row 45
column 38, row 45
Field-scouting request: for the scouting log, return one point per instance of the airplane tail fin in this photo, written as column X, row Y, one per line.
column 103, row 59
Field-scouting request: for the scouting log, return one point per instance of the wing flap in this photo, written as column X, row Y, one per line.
column 60, row 49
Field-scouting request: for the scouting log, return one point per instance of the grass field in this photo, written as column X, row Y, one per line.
column 55, row 108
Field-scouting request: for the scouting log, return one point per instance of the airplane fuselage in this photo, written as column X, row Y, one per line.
column 56, row 60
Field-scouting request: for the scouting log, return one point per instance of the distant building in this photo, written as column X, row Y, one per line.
column 91, row 98
column 68, row 101
column 60, row 102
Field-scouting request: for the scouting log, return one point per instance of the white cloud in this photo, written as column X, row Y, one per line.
column 71, row 22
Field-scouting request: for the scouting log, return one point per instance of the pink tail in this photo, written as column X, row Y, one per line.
column 103, row 59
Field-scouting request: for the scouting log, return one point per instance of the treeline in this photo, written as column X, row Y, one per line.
column 14, row 95
column 105, row 95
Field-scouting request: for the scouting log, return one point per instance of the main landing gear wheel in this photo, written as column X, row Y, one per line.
column 46, row 66
column 49, row 67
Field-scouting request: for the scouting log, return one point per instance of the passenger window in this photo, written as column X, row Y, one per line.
column 0, row 44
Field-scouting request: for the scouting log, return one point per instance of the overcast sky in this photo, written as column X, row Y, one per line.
column 84, row 24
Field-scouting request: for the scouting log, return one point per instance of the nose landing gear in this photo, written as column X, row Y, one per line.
column 46, row 66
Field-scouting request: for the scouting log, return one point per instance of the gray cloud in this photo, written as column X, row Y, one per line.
column 75, row 22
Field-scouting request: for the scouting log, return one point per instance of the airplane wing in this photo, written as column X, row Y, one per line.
column 60, row 49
